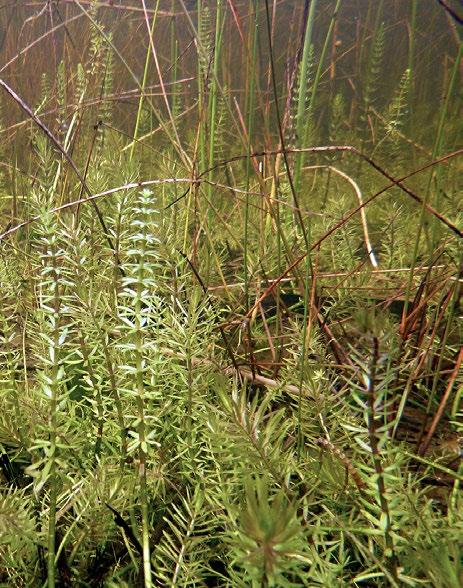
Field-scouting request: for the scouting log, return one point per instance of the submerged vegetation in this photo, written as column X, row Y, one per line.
column 231, row 271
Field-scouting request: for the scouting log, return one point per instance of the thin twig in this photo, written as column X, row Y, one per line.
column 443, row 402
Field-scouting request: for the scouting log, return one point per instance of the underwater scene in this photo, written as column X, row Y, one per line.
column 231, row 265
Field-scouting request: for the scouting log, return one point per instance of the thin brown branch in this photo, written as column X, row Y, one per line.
column 440, row 411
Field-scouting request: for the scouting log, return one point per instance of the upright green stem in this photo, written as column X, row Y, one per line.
column 303, row 132
column 53, row 389
column 370, row 74
column 143, row 84
column 213, row 93
column 51, row 568
column 321, row 61
column 142, row 431
column 250, row 123
column 201, row 96
column 307, row 309
column 412, row 42
column 143, row 447
column 373, row 422
column 302, row 90
column 174, row 61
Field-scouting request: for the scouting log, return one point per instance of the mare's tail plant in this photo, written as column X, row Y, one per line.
column 382, row 462
column 140, row 315
column 48, row 468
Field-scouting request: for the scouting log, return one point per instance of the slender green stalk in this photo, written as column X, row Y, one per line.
column 174, row 62
column 319, row 70
column 52, row 390
column 302, row 90
column 289, row 174
column 250, row 125
column 304, row 342
column 51, row 567
column 203, row 54
column 373, row 423
column 212, row 123
column 371, row 73
column 304, row 119
column 202, row 74
column 137, row 314
column 411, row 45
column 143, row 83
column 117, row 400
column 142, row 433
column 213, row 84
column 51, row 543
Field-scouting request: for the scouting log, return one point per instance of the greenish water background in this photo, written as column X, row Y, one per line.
column 436, row 45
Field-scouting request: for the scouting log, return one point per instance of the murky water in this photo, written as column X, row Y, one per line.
column 35, row 37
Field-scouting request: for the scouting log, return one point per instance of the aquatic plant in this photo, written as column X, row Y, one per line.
column 231, row 276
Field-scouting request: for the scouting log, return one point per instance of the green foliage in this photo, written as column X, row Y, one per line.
column 206, row 42
column 61, row 98
column 300, row 117
column 268, row 540
column 45, row 93
column 221, row 125
column 108, row 85
column 163, row 423
column 395, row 120
column 185, row 549
column 338, row 114
column 374, row 69
column 397, row 109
